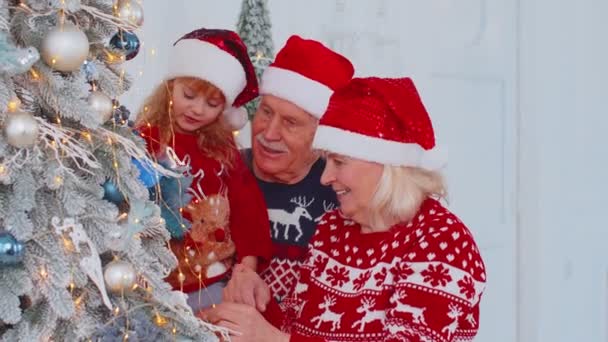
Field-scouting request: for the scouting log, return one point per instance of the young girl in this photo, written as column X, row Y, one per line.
column 194, row 112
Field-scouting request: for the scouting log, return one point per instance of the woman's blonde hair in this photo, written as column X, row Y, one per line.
column 215, row 140
column 401, row 191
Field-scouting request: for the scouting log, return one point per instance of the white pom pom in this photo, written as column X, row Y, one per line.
column 236, row 118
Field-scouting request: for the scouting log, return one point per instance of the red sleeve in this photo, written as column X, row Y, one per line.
column 249, row 223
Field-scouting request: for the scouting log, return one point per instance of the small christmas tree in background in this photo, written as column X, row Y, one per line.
column 255, row 29
column 83, row 251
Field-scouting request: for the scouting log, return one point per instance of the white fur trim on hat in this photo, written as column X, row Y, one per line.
column 377, row 150
column 306, row 93
column 197, row 58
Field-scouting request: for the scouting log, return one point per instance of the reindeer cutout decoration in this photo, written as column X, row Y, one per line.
column 416, row 312
column 454, row 314
column 370, row 315
column 328, row 315
column 280, row 216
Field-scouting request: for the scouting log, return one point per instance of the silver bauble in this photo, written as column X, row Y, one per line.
column 101, row 104
column 65, row 48
column 21, row 129
column 119, row 276
column 130, row 11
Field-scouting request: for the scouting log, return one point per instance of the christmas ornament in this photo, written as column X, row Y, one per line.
column 121, row 115
column 14, row 60
column 171, row 194
column 127, row 43
column 112, row 193
column 90, row 263
column 65, row 48
column 101, row 104
column 147, row 175
column 119, row 276
column 90, row 70
column 21, row 129
column 130, row 11
column 11, row 250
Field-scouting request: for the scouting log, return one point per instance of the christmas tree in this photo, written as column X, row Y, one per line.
column 254, row 28
column 83, row 249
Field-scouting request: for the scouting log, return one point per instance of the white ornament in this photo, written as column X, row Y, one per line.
column 101, row 104
column 120, row 276
column 65, row 48
column 235, row 118
column 130, row 11
column 21, row 129
column 91, row 264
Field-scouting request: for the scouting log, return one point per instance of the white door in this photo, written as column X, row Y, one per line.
column 462, row 54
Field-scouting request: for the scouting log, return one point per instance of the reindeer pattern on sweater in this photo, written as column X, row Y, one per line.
column 420, row 281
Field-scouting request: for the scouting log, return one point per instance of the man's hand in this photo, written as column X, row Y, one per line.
column 245, row 323
column 246, row 287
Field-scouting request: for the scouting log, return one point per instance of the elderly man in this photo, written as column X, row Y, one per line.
column 295, row 92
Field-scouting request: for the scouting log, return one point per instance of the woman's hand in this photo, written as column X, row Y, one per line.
column 245, row 322
column 246, row 287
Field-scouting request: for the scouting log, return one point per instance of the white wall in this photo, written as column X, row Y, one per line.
column 517, row 90
column 563, row 164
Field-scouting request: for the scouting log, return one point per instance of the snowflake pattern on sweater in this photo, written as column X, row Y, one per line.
column 417, row 282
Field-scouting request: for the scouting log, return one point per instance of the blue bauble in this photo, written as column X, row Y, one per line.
column 11, row 250
column 147, row 175
column 112, row 193
column 126, row 42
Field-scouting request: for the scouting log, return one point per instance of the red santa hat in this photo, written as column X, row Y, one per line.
column 219, row 57
column 380, row 120
column 306, row 73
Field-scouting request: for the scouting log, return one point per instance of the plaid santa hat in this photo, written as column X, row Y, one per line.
column 380, row 120
column 219, row 57
column 306, row 73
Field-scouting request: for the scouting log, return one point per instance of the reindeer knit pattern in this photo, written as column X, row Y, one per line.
column 294, row 211
column 248, row 221
column 417, row 282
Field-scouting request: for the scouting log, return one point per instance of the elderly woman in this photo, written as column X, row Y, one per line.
column 392, row 263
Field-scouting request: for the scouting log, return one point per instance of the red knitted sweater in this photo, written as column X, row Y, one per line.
column 417, row 282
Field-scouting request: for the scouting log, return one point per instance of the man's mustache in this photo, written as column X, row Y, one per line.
column 277, row 146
